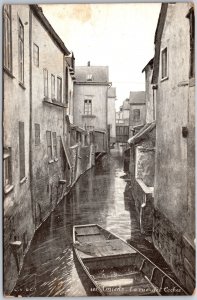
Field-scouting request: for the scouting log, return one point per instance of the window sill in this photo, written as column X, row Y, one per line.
column 8, row 189
column 88, row 116
column 53, row 102
column 22, row 86
column 163, row 79
column 8, row 72
column 51, row 161
column 23, row 180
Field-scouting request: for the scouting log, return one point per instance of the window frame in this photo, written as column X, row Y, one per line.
column 88, row 107
column 36, row 59
column 54, row 144
column 164, row 75
column 46, row 83
column 7, row 16
column 49, row 145
column 22, row 150
column 37, row 138
column 52, row 87
column 7, row 162
column 136, row 118
column 20, row 59
column 59, row 91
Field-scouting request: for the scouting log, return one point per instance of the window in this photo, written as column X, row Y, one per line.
column 89, row 77
column 66, row 87
column 54, row 145
column 49, row 144
column 21, row 50
column 7, row 164
column 52, row 86
column 45, row 73
column 88, row 107
column 22, row 150
column 36, row 55
column 164, row 62
column 191, row 18
column 37, row 134
column 7, row 37
column 136, row 115
column 59, row 89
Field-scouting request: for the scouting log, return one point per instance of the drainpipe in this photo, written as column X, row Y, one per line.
column 30, row 120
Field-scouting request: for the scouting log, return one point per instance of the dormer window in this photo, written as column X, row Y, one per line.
column 89, row 77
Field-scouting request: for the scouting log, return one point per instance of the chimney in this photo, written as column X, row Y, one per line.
column 88, row 63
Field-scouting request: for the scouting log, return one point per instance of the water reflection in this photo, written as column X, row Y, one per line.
column 100, row 196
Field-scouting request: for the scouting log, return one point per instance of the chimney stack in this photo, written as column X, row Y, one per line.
column 88, row 63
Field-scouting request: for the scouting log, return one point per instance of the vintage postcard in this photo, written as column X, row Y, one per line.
column 98, row 149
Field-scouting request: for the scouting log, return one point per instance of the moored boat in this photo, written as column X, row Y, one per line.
column 114, row 268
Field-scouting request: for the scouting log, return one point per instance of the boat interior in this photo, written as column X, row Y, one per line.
column 117, row 268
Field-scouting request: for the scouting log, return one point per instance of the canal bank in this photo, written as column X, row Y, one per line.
column 100, row 196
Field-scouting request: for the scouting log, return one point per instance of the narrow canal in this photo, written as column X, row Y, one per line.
column 99, row 196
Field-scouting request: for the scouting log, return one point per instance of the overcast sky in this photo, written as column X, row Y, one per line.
column 120, row 36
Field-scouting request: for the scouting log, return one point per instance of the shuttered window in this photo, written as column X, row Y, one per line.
column 45, row 74
column 49, row 144
column 21, row 51
column 164, row 61
column 54, row 145
column 36, row 55
column 52, row 86
column 59, row 89
column 7, row 37
column 37, row 134
column 22, row 150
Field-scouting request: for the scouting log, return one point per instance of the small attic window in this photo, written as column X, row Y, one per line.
column 89, row 77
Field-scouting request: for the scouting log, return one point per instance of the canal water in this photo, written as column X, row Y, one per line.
column 100, row 196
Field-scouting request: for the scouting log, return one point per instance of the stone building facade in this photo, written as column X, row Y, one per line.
column 174, row 195
column 90, row 101
column 40, row 163
column 18, row 230
column 137, row 115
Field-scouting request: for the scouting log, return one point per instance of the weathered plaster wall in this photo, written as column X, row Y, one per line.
column 145, row 164
column 18, row 220
column 111, row 118
column 174, row 216
column 98, row 95
column 46, row 172
column 142, row 119
column 149, row 95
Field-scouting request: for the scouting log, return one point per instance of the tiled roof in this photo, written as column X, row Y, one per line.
column 137, row 97
column 142, row 133
column 98, row 74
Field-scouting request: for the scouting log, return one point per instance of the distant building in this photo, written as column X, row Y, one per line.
column 150, row 93
column 174, row 194
column 90, row 101
column 122, row 116
column 137, row 116
column 111, row 118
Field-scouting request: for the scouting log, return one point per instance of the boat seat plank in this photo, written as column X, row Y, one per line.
column 87, row 230
column 104, row 248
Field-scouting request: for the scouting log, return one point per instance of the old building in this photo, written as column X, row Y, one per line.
column 150, row 93
column 174, row 197
column 111, row 117
column 41, row 158
column 137, row 115
column 122, row 122
column 90, row 102
column 18, row 230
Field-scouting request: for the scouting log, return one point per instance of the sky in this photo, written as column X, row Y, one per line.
column 119, row 35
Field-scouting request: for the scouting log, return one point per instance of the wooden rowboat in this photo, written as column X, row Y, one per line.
column 114, row 268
